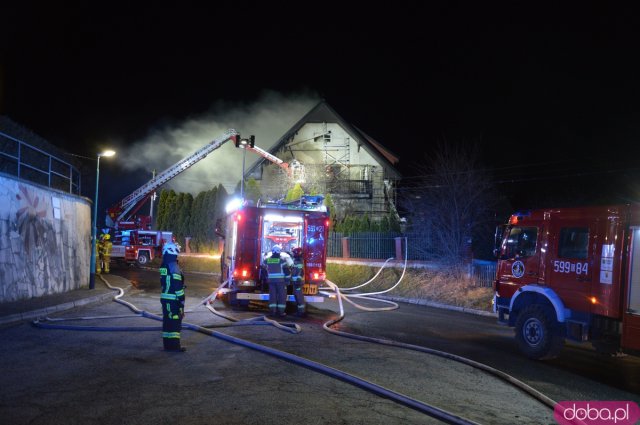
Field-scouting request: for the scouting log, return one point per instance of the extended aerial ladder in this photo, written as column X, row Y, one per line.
column 118, row 216
column 295, row 169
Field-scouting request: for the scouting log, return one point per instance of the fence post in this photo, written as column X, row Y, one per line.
column 398, row 248
column 345, row 248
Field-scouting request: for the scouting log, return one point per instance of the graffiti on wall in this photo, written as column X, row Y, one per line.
column 44, row 241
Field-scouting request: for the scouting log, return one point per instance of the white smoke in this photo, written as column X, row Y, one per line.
column 268, row 119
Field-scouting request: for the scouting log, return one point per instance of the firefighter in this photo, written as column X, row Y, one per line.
column 297, row 280
column 99, row 254
column 106, row 252
column 171, row 298
column 278, row 265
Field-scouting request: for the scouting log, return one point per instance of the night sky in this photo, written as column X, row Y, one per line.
column 550, row 93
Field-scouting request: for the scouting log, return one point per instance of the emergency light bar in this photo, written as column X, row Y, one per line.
column 276, row 217
column 233, row 205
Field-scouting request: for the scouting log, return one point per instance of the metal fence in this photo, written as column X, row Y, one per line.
column 30, row 163
column 382, row 245
column 483, row 272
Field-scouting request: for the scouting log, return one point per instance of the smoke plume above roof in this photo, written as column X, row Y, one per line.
column 268, row 118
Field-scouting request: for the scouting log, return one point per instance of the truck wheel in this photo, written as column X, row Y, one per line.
column 538, row 334
column 143, row 259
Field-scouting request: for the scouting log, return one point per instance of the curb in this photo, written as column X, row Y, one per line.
column 42, row 312
column 428, row 303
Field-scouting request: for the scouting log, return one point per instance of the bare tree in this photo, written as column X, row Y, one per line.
column 451, row 200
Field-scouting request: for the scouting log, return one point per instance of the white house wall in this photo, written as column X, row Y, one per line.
column 339, row 138
column 45, row 240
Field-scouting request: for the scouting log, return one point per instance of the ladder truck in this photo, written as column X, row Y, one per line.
column 133, row 240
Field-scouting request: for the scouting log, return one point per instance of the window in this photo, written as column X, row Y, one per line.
column 574, row 242
column 521, row 242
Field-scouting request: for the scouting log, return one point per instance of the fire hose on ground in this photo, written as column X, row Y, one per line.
column 318, row 367
column 378, row 390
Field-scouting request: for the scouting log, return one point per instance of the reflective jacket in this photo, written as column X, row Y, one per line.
column 297, row 272
column 107, row 246
column 172, row 282
column 278, row 268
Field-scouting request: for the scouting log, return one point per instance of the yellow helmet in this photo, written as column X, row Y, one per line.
column 107, row 237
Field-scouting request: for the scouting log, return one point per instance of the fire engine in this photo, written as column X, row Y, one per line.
column 570, row 273
column 132, row 237
column 252, row 230
column 138, row 246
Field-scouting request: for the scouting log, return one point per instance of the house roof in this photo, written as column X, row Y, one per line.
column 322, row 113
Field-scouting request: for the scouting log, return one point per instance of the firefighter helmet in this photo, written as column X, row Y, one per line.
column 107, row 237
column 170, row 248
column 297, row 252
column 276, row 249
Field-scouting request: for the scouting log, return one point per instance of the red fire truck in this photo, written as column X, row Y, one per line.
column 570, row 273
column 250, row 233
column 138, row 246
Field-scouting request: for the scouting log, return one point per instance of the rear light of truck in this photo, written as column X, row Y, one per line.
column 317, row 275
column 240, row 273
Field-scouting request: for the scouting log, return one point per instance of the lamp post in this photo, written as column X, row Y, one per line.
column 92, row 276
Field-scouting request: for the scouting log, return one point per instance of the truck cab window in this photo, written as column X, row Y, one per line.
column 520, row 242
column 574, row 242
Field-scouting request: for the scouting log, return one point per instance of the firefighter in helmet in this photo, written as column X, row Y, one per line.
column 171, row 297
column 297, row 280
column 99, row 254
column 278, row 265
column 106, row 252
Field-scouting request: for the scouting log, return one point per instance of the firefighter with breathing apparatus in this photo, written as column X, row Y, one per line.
column 171, row 297
column 297, row 280
column 278, row 265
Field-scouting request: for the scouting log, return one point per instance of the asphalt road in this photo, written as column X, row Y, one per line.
column 579, row 373
column 65, row 376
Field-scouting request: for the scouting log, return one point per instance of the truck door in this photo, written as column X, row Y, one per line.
column 570, row 264
column 315, row 244
column 520, row 257
column 631, row 315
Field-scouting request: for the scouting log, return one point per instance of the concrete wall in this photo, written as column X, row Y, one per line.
column 45, row 240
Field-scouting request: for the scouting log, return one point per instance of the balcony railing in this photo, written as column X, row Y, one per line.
column 360, row 188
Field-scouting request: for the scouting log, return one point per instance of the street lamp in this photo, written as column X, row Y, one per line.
column 92, row 276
